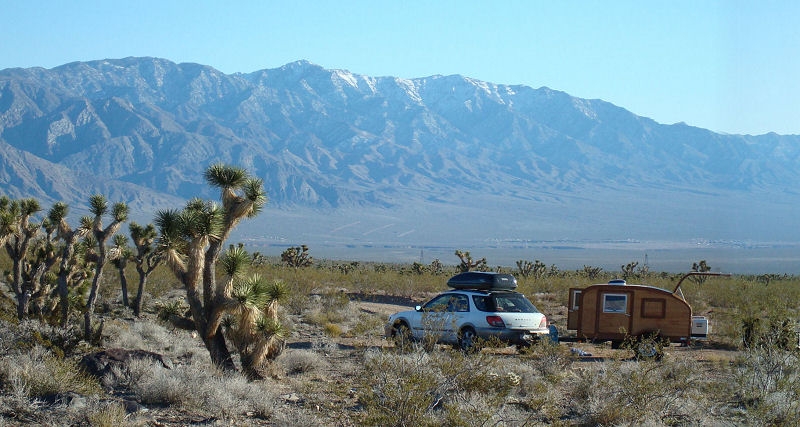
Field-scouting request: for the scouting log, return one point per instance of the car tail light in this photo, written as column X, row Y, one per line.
column 543, row 323
column 495, row 321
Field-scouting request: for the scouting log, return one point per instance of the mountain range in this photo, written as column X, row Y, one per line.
column 385, row 162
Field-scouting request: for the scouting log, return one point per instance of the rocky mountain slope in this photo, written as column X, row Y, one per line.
column 443, row 156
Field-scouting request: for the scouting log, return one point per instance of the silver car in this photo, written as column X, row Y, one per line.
column 462, row 316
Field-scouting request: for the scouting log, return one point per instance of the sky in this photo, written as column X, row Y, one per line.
column 729, row 66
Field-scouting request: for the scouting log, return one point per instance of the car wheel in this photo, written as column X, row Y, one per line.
column 467, row 339
column 402, row 336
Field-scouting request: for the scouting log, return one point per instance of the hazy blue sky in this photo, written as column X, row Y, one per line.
column 729, row 66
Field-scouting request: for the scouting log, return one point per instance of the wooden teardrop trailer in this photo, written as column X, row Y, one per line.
column 615, row 311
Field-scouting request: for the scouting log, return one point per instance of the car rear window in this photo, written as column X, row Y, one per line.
column 514, row 303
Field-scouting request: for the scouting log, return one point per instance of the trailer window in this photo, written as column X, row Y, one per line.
column 654, row 308
column 576, row 299
column 615, row 303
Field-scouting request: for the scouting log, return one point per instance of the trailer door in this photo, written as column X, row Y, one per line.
column 573, row 312
column 614, row 312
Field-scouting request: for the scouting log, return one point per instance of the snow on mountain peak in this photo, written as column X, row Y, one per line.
column 344, row 76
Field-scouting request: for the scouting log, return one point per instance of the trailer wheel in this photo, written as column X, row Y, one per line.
column 649, row 347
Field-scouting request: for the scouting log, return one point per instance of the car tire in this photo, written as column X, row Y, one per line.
column 467, row 339
column 402, row 336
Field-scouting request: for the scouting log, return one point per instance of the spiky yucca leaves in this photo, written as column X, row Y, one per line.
column 171, row 243
column 243, row 196
column 253, row 325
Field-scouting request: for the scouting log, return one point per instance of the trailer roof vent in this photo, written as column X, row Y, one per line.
column 616, row 282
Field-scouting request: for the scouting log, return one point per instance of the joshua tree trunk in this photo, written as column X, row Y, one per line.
column 139, row 301
column 123, row 281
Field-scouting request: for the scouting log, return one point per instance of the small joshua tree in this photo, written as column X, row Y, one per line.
column 701, row 267
column 592, row 272
column 524, row 267
column 468, row 264
column 119, row 255
column 297, row 257
column 146, row 258
column 72, row 269
column 119, row 214
column 252, row 323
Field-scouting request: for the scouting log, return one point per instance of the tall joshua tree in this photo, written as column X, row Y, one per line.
column 67, row 268
column 146, row 258
column 192, row 239
column 122, row 253
column 16, row 233
column 98, row 205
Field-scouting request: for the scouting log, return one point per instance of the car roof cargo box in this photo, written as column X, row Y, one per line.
column 482, row 280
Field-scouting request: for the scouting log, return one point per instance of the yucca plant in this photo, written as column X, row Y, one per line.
column 253, row 326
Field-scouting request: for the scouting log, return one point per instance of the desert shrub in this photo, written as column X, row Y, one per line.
column 200, row 388
column 153, row 337
column 548, row 358
column 25, row 335
column 332, row 330
column 44, row 376
column 367, row 326
column 634, row 393
column 764, row 382
column 297, row 303
column 300, row 361
column 168, row 309
column 422, row 388
column 106, row 414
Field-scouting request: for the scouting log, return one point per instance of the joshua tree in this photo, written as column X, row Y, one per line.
column 147, row 258
column 252, row 322
column 119, row 214
column 191, row 240
column 701, row 267
column 524, row 267
column 629, row 270
column 119, row 255
column 297, row 257
column 467, row 264
column 16, row 233
column 71, row 270
column 591, row 272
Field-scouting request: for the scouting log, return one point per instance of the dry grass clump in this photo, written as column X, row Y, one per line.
column 295, row 362
column 108, row 414
column 424, row 388
column 155, row 337
column 627, row 392
column 763, row 384
column 198, row 388
column 41, row 375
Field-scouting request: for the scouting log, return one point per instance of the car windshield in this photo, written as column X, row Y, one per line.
column 510, row 302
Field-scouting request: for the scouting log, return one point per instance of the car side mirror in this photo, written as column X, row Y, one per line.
column 418, row 308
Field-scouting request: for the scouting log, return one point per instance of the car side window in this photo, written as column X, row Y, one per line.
column 481, row 302
column 461, row 303
column 447, row 302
